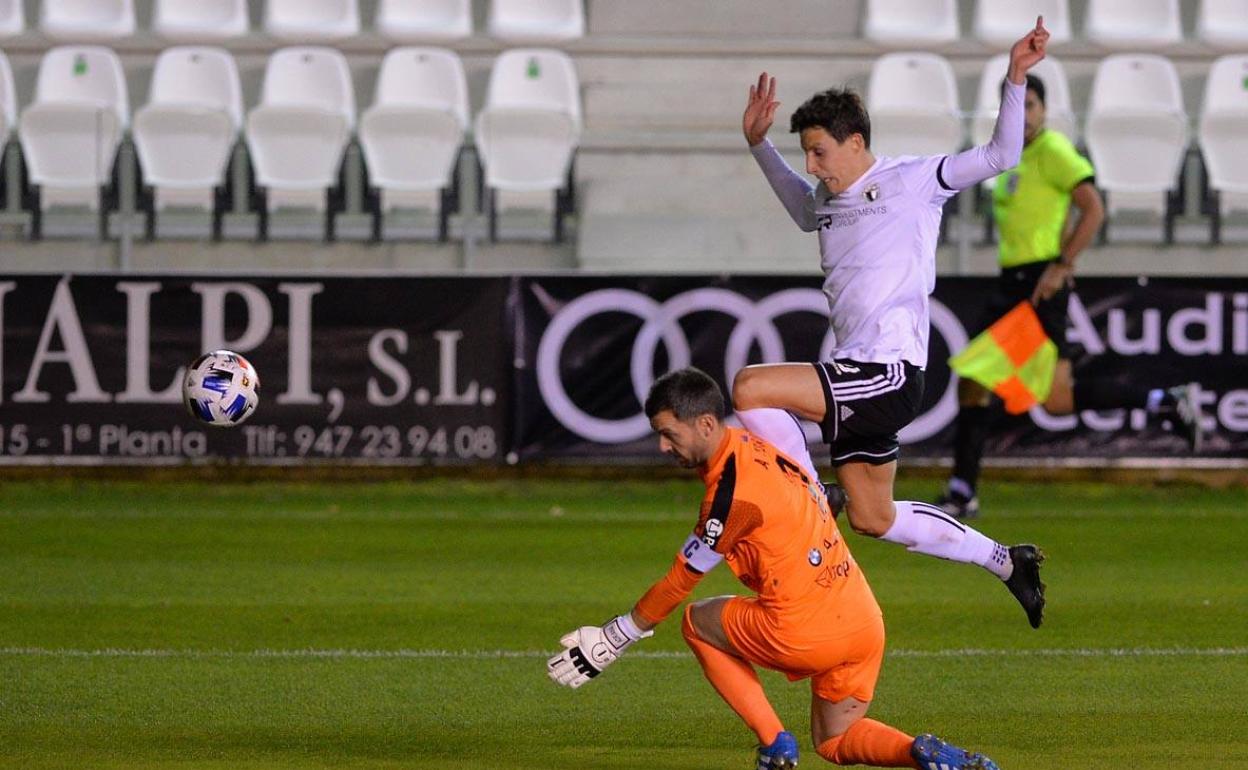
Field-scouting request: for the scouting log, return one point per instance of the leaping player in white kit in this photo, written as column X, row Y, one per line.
column 878, row 219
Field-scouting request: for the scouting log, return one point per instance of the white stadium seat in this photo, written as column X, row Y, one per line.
column 1223, row 129
column 910, row 21
column 12, row 18
column 529, row 128
column 536, row 20
column 70, row 133
column 299, row 132
column 187, row 130
column 413, row 132
column 8, row 119
column 1223, row 23
column 1001, row 22
column 311, row 21
column 913, row 102
column 408, row 21
column 8, row 101
column 1133, row 23
column 83, row 20
column 1059, row 115
column 200, row 20
column 1137, row 133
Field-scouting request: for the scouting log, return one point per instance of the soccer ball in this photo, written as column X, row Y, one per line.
column 221, row 389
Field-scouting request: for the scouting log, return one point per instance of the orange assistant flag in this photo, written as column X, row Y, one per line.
column 1013, row 358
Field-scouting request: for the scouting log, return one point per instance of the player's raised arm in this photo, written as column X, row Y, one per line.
column 1003, row 151
column 1027, row 52
column 760, row 110
column 789, row 186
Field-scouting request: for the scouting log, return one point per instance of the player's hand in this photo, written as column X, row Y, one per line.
column 1054, row 278
column 588, row 650
column 760, row 110
column 1028, row 52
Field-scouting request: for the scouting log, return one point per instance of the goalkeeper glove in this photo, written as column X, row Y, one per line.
column 590, row 649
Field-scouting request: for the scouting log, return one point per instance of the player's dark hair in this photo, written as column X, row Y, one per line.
column 686, row 393
column 1034, row 84
column 839, row 111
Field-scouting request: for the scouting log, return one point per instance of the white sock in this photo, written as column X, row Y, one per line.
column 781, row 429
column 926, row 529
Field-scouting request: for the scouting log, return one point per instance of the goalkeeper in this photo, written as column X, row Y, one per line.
column 813, row 616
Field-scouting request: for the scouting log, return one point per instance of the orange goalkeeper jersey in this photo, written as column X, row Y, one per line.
column 772, row 524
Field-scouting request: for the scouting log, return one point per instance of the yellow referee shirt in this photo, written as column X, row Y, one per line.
column 1030, row 201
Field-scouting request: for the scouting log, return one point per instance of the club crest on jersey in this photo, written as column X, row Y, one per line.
column 814, row 557
column 872, row 192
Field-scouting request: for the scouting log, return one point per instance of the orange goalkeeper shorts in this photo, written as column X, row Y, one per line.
column 840, row 665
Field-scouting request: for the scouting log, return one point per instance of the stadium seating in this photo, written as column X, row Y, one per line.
column 527, row 21
column 87, row 20
column 1133, row 23
column 1000, row 22
column 527, row 132
column 1223, row 23
column 409, row 21
column 913, row 101
column 1224, row 137
column 911, row 22
column 1137, row 134
column 413, row 133
column 8, row 101
column 311, row 21
column 1060, row 115
column 200, row 20
column 185, row 134
column 12, row 18
column 71, row 132
column 299, row 132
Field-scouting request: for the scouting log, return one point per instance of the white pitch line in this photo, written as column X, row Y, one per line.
column 1110, row 652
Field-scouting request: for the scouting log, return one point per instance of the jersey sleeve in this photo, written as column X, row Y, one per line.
column 727, row 518
column 667, row 594
column 924, row 177
column 1063, row 167
column 970, row 167
column 792, row 190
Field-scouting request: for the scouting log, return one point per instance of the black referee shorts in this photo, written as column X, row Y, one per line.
column 1016, row 284
column 865, row 405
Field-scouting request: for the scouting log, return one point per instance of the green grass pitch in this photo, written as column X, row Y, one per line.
column 405, row 625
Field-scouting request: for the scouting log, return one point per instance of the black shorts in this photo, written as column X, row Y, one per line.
column 865, row 405
column 1016, row 284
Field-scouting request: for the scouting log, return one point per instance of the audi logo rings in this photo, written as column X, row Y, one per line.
column 660, row 322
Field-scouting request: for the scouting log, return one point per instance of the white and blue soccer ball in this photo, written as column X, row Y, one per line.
column 221, row 389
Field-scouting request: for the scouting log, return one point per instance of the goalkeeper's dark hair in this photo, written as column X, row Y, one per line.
column 1034, row 84
column 686, row 393
column 839, row 111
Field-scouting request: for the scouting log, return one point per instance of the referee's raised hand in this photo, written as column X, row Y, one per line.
column 1028, row 51
column 760, row 110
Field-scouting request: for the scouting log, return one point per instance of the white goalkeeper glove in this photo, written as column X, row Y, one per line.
column 590, row 649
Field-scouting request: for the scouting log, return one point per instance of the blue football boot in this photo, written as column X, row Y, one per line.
column 934, row 754
column 780, row 755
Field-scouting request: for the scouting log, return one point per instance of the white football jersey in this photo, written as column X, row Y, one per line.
column 877, row 242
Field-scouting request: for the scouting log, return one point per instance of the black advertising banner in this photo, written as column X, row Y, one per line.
column 486, row 370
column 592, row 347
column 378, row 370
